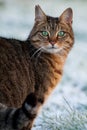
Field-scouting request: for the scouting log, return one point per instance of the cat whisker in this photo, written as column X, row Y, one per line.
column 36, row 52
column 39, row 54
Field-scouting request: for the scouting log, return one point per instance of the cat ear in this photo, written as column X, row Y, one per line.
column 67, row 16
column 39, row 14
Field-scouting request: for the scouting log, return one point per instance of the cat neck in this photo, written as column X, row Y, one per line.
column 48, row 73
column 48, row 69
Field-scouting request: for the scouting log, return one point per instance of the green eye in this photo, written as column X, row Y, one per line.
column 45, row 33
column 61, row 34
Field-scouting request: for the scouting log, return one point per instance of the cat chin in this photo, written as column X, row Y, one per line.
column 51, row 50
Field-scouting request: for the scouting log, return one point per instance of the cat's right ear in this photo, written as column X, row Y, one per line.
column 39, row 14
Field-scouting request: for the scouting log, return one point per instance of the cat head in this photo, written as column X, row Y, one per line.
column 52, row 34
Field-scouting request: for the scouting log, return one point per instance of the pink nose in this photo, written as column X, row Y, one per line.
column 52, row 43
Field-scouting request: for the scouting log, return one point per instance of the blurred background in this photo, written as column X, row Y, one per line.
column 16, row 21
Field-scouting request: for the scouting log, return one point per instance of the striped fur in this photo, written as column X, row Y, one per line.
column 32, row 67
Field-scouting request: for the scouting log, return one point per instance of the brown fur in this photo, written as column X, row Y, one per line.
column 25, row 69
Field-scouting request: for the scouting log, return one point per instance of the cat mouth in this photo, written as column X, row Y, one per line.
column 51, row 49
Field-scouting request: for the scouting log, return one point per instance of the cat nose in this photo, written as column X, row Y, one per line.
column 52, row 43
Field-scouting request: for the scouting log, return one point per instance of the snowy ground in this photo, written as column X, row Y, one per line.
column 16, row 20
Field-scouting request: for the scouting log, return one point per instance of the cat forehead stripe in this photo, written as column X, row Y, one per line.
column 52, row 21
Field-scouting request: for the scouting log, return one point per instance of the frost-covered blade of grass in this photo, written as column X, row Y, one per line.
column 70, row 120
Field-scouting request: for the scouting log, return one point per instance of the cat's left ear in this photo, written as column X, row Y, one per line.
column 67, row 16
column 39, row 14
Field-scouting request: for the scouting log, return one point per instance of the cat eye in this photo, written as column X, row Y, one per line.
column 61, row 34
column 45, row 33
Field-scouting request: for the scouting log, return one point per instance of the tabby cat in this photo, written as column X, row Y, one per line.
column 32, row 67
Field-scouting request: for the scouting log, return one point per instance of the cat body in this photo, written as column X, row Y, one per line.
column 35, row 65
column 16, row 73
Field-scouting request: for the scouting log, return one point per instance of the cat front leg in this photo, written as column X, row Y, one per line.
column 24, row 117
column 32, row 104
